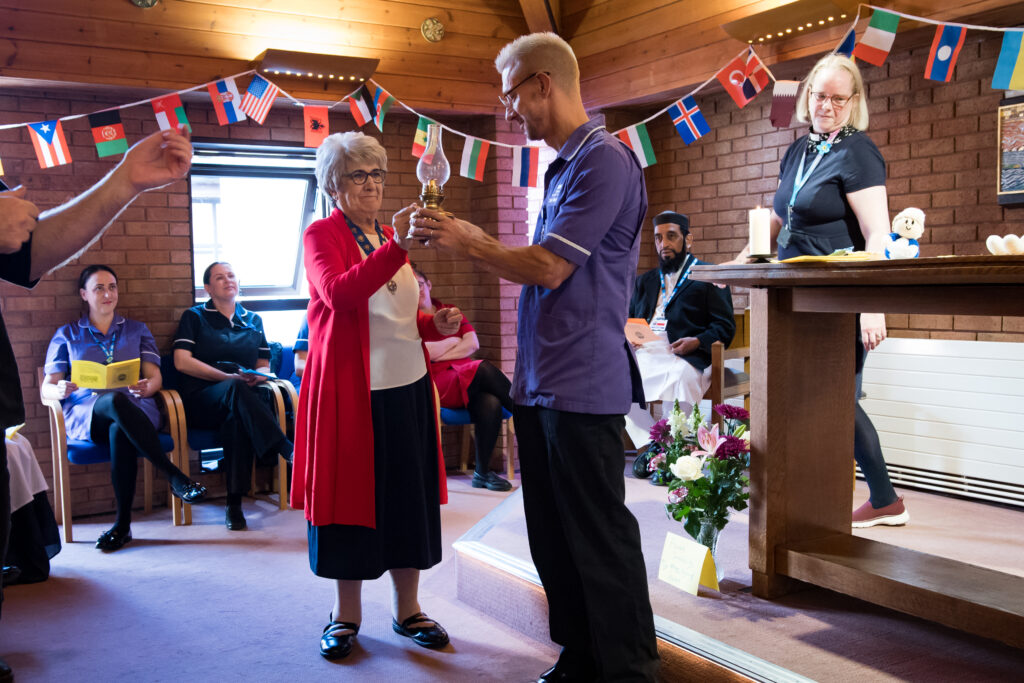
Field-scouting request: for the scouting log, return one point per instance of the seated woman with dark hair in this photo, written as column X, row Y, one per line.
column 222, row 355
column 124, row 419
column 463, row 382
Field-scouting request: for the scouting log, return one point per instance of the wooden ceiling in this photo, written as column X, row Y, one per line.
column 630, row 51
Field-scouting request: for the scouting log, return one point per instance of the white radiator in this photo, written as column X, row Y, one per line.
column 950, row 415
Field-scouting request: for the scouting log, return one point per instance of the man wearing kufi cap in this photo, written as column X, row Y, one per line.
column 685, row 315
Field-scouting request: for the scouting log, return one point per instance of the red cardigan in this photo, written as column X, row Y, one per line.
column 333, row 470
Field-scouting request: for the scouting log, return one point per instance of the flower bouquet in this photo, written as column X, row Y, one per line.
column 705, row 471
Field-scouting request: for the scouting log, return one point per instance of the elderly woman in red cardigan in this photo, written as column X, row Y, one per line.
column 368, row 466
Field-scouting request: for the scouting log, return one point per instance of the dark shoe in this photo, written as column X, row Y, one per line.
column 491, row 481
column 11, row 574
column 433, row 636
column 113, row 539
column 191, row 492
column 559, row 675
column 334, row 645
column 234, row 518
column 643, row 457
column 6, row 675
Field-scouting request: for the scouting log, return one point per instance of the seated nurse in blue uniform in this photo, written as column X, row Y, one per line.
column 218, row 346
column 124, row 419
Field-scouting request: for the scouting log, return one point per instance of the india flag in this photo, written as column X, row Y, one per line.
column 876, row 42
column 474, row 155
column 637, row 139
column 525, row 163
column 1009, row 73
column 170, row 112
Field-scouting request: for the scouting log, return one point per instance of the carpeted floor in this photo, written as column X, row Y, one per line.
column 200, row 603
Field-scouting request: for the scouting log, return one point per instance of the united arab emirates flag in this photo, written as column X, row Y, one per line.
column 108, row 133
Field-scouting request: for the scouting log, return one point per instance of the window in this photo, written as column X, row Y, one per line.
column 250, row 204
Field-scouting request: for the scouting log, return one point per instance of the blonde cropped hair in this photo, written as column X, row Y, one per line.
column 859, row 113
column 337, row 151
column 546, row 52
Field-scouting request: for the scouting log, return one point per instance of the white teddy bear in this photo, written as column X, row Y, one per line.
column 906, row 228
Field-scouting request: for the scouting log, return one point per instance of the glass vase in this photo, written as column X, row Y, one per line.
column 708, row 537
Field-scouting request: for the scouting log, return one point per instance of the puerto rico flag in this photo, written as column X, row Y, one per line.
column 108, row 133
column 474, row 156
column 360, row 103
column 51, row 147
column 688, row 120
column 876, row 42
column 170, row 113
column 525, row 163
column 226, row 101
column 259, row 97
column 316, row 124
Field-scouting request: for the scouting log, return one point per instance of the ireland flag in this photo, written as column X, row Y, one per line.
column 876, row 42
column 637, row 139
column 474, row 155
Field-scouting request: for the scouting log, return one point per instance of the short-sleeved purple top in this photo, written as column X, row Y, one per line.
column 573, row 354
column 81, row 341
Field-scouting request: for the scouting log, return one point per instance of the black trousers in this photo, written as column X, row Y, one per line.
column 585, row 543
column 248, row 428
column 5, row 511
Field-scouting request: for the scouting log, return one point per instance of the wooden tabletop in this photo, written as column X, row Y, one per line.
column 934, row 270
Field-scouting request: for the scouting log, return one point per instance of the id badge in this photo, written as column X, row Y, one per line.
column 658, row 323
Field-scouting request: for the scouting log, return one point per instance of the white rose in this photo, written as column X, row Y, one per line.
column 687, row 468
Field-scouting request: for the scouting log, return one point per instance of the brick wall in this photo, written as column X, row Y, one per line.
column 938, row 139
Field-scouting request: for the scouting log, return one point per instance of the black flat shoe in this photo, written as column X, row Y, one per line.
column 433, row 636
column 113, row 539
column 640, row 470
column 490, row 481
column 234, row 518
column 334, row 645
column 192, row 492
column 6, row 675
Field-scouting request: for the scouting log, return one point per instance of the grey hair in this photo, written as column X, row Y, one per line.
column 337, row 151
column 859, row 115
column 546, row 52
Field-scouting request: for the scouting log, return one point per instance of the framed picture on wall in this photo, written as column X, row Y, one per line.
column 1010, row 175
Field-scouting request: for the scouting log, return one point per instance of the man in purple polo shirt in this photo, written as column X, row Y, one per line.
column 575, row 374
column 33, row 244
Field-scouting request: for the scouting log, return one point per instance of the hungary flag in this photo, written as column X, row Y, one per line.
column 170, row 112
column 474, row 155
column 108, row 133
column 637, row 139
column 876, row 42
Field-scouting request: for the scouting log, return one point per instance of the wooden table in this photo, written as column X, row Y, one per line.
column 802, row 386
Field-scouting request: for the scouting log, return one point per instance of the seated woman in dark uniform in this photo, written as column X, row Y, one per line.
column 463, row 382
column 216, row 349
column 124, row 419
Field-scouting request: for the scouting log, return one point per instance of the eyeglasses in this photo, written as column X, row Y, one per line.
column 838, row 101
column 506, row 97
column 359, row 177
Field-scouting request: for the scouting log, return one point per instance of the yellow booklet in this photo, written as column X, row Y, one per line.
column 837, row 257
column 89, row 375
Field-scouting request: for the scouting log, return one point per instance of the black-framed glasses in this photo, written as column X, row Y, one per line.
column 359, row 177
column 838, row 101
column 506, row 97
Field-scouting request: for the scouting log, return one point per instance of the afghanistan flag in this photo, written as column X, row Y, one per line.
column 876, row 42
column 637, row 139
column 108, row 133
column 474, row 155
column 170, row 113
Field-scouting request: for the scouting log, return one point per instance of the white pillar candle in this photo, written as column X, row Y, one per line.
column 760, row 231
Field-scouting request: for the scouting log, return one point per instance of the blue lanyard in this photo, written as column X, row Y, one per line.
column 108, row 348
column 801, row 178
column 361, row 239
column 688, row 264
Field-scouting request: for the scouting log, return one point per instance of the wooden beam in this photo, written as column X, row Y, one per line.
column 539, row 16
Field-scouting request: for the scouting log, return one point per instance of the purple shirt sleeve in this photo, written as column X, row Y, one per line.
column 57, row 359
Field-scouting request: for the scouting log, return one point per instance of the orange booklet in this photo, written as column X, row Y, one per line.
column 638, row 331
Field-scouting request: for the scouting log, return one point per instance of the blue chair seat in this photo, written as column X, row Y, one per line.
column 460, row 416
column 89, row 453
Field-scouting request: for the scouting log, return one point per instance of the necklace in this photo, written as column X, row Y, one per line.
column 822, row 143
column 364, row 243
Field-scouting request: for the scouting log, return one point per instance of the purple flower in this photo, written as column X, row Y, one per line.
column 732, row 412
column 655, row 461
column 661, row 433
column 731, row 447
column 677, row 495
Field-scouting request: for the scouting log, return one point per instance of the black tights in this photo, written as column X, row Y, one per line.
column 488, row 393
column 120, row 424
column 867, row 450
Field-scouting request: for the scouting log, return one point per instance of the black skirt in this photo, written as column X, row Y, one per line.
column 407, row 495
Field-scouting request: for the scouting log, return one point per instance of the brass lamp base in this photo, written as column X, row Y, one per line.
column 432, row 197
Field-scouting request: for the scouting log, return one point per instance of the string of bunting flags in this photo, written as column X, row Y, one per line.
column 743, row 78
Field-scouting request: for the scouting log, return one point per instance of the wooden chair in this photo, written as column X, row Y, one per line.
column 67, row 452
column 460, row 417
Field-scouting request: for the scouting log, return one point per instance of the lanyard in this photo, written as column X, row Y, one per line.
column 688, row 264
column 361, row 239
column 108, row 348
column 801, row 177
